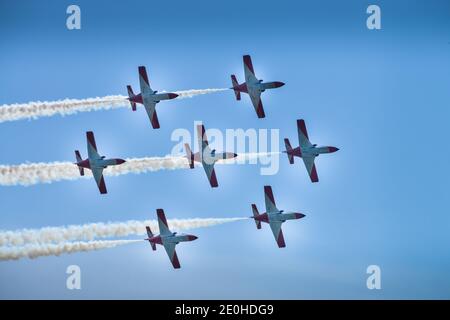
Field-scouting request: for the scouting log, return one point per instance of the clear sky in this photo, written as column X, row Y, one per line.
column 380, row 96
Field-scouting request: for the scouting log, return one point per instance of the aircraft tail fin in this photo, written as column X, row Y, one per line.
column 235, row 83
column 256, row 214
column 131, row 95
column 289, row 151
column 150, row 235
column 189, row 155
column 79, row 159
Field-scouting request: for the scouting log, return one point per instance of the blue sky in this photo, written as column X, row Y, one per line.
column 380, row 96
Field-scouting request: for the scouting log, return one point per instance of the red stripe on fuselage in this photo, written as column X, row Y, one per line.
column 262, row 218
column 241, row 88
column 137, row 99
column 156, row 239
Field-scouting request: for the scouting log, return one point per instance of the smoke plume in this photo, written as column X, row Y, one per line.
column 33, row 251
column 101, row 230
column 37, row 109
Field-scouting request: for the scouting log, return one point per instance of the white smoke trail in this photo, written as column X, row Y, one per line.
column 34, row 173
column 34, row 110
column 33, row 251
column 193, row 92
column 37, row 109
column 101, row 230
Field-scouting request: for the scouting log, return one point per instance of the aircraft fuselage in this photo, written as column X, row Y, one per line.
column 257, row 86
column 99, row 163
column 312, row 151
column 172, row 238
column 152, row 97
column 268, row 217
column 210, row 157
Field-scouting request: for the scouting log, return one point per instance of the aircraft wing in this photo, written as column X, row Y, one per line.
column 91, row 146
column 255, row 96
column 311, row 168
column 278, row 233
column 98, row 176
column 162, row 223
column 270, row 200
column 170, row 249
column 303, row 138
column 202, row 138
column 143, row 81
column 248, row 70
column 146, row 92
column 150, row 107
column 210, row 173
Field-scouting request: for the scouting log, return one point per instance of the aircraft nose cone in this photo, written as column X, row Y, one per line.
column 172, row 95
column 235, row 155
column 192, row 238
column 333, row 149
column 280, row 84
column 299, row 215
column 120, row 161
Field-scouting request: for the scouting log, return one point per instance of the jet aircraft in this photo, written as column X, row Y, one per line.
column 167, row 238
column 206, row 156
column 148, row 97
column 273, row 216
column 252, row 86
column 307, row 151
column 95, row 162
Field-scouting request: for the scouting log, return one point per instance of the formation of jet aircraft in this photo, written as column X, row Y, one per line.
column 307, row 151
column 167, row 238
column 95, row 162
column 274, row 216
column 207, row 157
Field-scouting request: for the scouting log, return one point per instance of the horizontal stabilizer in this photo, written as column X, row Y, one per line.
column 289, row 151
column 189, row 156
column 255, row 215
column 150, row 235
column 131, row 96
column 79, row 159
column 235, row 84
